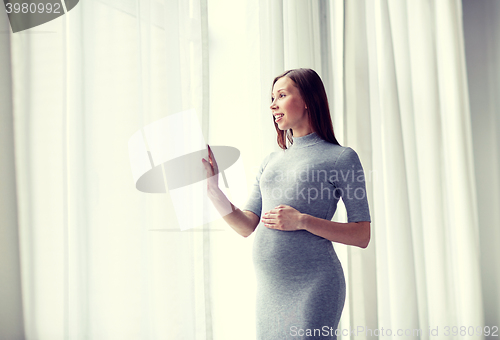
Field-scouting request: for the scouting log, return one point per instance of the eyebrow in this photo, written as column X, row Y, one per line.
column 278, row 91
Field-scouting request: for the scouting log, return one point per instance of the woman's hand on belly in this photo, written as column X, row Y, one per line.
column 283, row 217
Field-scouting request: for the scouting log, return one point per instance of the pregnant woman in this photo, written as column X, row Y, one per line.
column 300, row 282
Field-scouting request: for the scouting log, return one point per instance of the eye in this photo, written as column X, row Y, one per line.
column 281, row 95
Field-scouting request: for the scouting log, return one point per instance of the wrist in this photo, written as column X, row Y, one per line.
column 215, row 194
column 303, row 220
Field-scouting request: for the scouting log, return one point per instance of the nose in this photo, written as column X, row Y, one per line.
column 273, row 105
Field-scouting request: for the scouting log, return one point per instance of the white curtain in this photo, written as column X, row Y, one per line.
column 427, row 250
column 87, row 256
column 98, row 258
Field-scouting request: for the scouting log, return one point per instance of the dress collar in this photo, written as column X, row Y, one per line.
column 310, row 139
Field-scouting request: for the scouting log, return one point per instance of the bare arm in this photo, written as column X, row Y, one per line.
column 353, row 233
column 243, row 222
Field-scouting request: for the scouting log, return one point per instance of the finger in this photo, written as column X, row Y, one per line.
column 269, row 221
column 207, row 166
column 210, row 153
column 267, row 218
column 212, row 160
column 270, row 225
column 209, row 158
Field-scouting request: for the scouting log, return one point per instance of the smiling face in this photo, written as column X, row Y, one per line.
column 286, row 100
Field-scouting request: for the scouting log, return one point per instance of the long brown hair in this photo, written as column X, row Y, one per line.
column 313, row 93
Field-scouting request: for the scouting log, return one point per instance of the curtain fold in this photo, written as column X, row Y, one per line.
column 354, row 125
column 460, row 201
column 394, row 254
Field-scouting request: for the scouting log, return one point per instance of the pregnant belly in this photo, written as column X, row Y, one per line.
column 293, row 255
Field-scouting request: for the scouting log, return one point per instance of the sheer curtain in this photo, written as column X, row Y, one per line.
column 425, row 198
column 98, row 258
column 87, row 256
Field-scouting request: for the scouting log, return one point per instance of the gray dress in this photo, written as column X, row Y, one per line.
column 300, row 281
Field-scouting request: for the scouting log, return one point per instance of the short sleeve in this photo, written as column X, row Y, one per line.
column 350, row 185
column 254, row 202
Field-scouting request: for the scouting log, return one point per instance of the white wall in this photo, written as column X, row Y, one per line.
column 482, row 48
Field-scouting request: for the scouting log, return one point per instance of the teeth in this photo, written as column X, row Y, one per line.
column 280, row 115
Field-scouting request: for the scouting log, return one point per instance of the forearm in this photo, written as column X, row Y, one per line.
column 353, row 233
column 231, row 214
